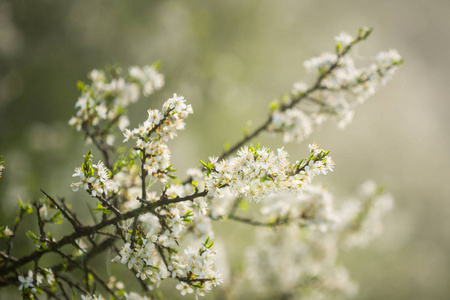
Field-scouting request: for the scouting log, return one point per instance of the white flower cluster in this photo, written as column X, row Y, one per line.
column 159, row 128
column 118, row 287
column 220, row 207
column 294, row 123
column 2, row 167
column 135, row 296
column 343, row 39
column 143, row 258
column 184, row 219
column 92, row 297
column 320, row 63
column 195, row 268
column 294, row 261
column 105, row 99
column 297, row 263
column 6, row 233
column 45, row 276
column 341, row 88
column 362, row 218
column 258, row 173
column 313, row 208
column 148, row 77
column 386, row 61
column 95, row 179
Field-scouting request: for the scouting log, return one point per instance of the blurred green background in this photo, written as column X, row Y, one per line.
column 230, row 59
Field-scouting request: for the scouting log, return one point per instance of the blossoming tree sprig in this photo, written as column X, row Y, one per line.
column 102, row 104
column 258, row 172
column 161, row 228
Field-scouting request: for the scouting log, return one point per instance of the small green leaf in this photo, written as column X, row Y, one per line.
column 205, row 165
column 30, row 234
column 338, row 47
column 243, row 205
column 198, row 285
column 266, row 178
column 274, row 105
column 157, row 65
column 81, row 85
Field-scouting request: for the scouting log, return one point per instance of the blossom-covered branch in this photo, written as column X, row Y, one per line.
column 160, row 228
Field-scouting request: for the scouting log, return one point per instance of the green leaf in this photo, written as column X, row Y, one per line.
column 243, row 205
column 81, row 86
column 30, row 234
column 157, row 65
column 266, row 178
column 338, row 47
column 206, row 245
column 205, row 165
column 24, row 207
column 198, row 285
column 101, row 208
column 274, row 105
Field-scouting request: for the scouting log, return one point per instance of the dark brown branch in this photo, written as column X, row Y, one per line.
column 87, row 270
column 89, row 230
column 294, row 101
column 249, row 221
column 63, row 211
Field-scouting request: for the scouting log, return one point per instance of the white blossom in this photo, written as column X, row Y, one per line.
column 196, row 266
column 28, row 283
column 257, row 173
column 7, row 231
column 361, row 218
column 295, row 125
column 344, row 39
column 135, row 296
column 341, row 88
column 98, row 183
column 105, row 98
column 143, row 258
column 313, row 208
column 92, row 297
